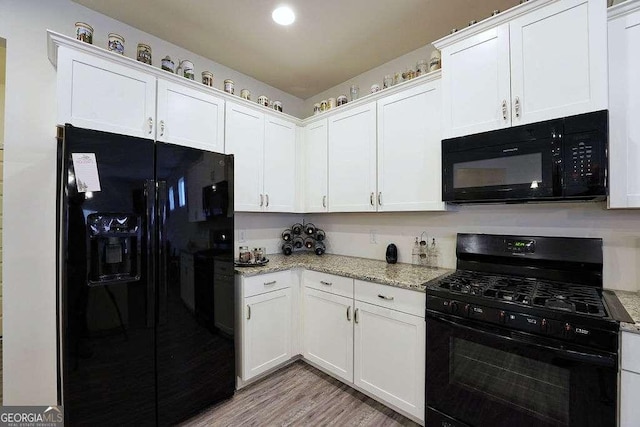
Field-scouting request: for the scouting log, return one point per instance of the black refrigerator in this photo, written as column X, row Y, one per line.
column 145, row 279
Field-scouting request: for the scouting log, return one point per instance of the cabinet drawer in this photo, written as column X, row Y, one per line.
column 338, row 285
column 269, row 282
column 631, row 352
column 405, row 300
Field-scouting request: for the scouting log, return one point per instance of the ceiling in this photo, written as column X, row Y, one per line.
column 330, row 42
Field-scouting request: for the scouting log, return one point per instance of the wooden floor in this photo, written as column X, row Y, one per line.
column 299, row 395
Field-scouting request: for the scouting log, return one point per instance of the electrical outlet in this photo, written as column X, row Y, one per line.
column 242, row 236
column 373, row 237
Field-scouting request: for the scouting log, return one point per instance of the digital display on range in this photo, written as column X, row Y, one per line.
column 520, row 246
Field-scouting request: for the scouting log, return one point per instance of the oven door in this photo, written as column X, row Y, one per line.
column 474, row 172
column 484, row 376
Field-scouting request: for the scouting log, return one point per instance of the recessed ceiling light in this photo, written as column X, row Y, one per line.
column 283, row 15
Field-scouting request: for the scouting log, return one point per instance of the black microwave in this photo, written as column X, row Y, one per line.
column 561, row 159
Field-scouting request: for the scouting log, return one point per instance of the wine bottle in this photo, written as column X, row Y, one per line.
column 287, row 248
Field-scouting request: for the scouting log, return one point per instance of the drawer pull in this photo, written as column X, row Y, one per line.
column 385, row 297
column 326, row 283
column 248, row 312
column 349, row 313
column 273, row 282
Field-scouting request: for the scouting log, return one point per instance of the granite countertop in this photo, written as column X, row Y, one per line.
column 631, row 303
column 401, row 275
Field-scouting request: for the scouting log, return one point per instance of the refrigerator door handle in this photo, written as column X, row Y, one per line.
column 161, row 190
column 150, row 199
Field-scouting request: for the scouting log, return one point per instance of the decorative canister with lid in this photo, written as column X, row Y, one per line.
column 435, row 61
column 316, row 108
column 263, row 100
column 229, row 86
column 245, row 94
column 207, row 78
column 167, row 64
column 84, row 32
column 331, row 103
column 116, row 43
column 375, row 88
column 324, row 106
column 277, row 105
column 341, row 100
column 187, row 69
column 143, row 53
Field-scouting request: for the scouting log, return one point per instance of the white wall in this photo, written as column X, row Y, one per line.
column 29, row 362
column 263, row 229
column 366, row 79
column 349, row 234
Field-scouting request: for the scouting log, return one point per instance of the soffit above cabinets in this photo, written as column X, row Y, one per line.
column 330, row 42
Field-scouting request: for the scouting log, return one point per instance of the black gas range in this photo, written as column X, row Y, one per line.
column 522, row 334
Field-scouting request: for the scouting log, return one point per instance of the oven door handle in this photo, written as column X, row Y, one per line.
column 593, row 358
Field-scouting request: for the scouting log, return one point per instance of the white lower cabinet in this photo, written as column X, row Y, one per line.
column 629, row 398
column 389, row 356
column 267, row 332
column 368, row 335
column 328, row 332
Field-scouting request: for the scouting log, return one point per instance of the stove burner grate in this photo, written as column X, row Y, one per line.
column 558, row 296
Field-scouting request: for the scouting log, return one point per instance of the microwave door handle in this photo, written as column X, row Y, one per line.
column 567, row 354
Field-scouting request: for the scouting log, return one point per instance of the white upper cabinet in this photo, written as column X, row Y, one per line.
column 244, row 133
column 279, row 165
column 315, row 166
column 94, row 93
column 190, row 117
column 409, row 146
column 537, row 61
column 476, row 85
column 352, row 160
column 264, row 148
column 558, row 61
column 624, row 105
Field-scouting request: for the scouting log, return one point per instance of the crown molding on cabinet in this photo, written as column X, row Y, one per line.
column 400, row 87
column 56, row 40
column 622, row 9
column 492, row 22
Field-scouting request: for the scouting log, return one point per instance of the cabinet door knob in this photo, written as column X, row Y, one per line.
column 380, row 198
column 248, row 312
column 161, row 127
column 504, row 109
column 355, row 315
column 150, row 122
column 349, row 313
column 324, row 201
column 371, row 198
column 517, row 106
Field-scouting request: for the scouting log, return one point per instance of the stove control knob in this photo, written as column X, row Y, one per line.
column 453, row 306
column 502, row 316
column 544, row 325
